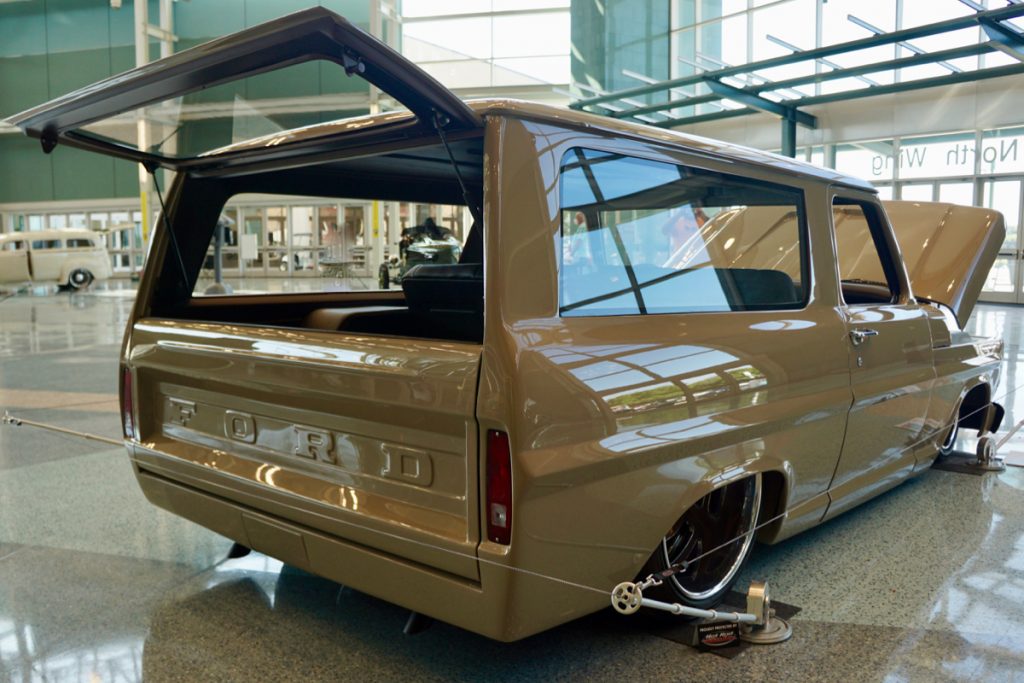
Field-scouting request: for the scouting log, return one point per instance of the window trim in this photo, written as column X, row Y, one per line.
column 670, row 158
column 880, row 235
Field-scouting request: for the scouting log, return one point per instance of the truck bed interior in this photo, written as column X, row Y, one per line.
column 436, row 301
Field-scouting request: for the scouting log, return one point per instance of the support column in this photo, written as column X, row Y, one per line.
column 164, row 33
column 378, row 240
column 788, row 137
column 145, row 181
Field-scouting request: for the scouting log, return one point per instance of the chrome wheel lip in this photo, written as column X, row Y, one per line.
column 951, row 437
column 729, row 575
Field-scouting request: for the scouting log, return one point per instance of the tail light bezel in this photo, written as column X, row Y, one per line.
column 498, row 500
column 129, row 423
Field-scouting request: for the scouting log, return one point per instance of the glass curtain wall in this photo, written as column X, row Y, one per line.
column 711, row 34
column 489, row 43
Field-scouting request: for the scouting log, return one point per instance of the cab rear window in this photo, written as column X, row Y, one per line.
column 641, row 236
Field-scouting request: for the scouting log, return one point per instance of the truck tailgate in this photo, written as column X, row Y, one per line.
column 369, row 438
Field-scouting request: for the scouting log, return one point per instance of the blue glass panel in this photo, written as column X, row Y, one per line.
column 641, row 236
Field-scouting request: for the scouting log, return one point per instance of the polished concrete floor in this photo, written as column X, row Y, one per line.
column 926, row 583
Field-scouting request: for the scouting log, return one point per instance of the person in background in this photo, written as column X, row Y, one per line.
column 576, row 249
column 685, row 240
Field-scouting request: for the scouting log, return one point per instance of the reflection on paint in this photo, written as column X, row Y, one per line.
column 658, row 393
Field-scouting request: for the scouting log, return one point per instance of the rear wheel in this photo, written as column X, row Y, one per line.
column 714, row 537
column 80, row 278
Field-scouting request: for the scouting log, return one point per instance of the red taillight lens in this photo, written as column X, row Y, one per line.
column 499, row 488
column 127, row 404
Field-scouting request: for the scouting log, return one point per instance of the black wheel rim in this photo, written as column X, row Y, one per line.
column 702, row 538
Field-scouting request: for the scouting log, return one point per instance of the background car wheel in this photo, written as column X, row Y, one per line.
column 80, row 278
column 724, row 515
column 383, row 277
column 948, row 444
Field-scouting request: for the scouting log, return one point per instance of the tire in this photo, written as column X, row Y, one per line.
column 79, row 279
column 726, row 513
column 384, row 277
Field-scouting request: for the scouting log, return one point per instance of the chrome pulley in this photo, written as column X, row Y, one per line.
column 627, row 598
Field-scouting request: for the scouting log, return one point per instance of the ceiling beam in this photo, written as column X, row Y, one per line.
column 785, row 111
column 995, row 15
column 1006, row 37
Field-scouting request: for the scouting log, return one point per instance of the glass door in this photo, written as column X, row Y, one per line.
column 230, row 263
column 275, row 246
column 330, row 240
column 119, row 231
column 356, row 245
column 251, row 238
column 1004, row 280
column 303, row 234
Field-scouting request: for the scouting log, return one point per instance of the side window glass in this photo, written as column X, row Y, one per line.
column 858, row 234
column 46, row 244
column 79, row 243
column 641, row 236
column 13, row 245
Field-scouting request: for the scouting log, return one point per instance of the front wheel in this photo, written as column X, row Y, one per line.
column 713, row 538
column 80, row 278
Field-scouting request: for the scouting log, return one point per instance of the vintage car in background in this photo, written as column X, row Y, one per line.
column 420, row 244
column 73, row 259
column 653, row 347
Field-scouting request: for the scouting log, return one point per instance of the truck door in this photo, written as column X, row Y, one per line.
column 890, row 354
column 14, row 261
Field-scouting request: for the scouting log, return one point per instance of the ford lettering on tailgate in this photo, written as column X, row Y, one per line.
column 258, row 435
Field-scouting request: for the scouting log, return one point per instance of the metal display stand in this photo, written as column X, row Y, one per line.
column 758, row 624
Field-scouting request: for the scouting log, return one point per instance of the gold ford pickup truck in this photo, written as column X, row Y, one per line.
column 653, row 347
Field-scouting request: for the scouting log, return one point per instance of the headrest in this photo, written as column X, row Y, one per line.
column 455, row 287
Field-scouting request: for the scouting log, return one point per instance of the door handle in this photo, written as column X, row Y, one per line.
column 860, row 335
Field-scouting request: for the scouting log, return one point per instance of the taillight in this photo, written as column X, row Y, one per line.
column 127, row 404
column 499, row 488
